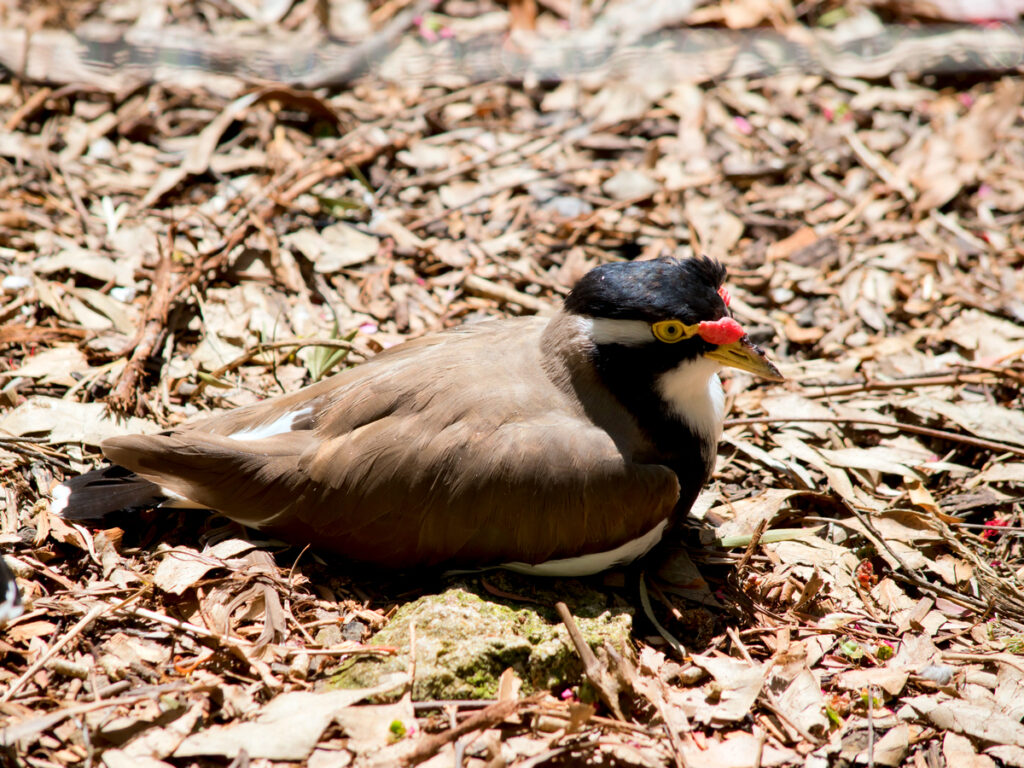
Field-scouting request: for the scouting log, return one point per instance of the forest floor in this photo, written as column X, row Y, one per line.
column 182, row 248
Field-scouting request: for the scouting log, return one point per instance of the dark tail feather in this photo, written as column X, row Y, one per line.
column 96, row 495
column 10, row 598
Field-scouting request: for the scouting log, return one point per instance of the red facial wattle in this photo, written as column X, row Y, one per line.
column 725, row 295
column 723, row 331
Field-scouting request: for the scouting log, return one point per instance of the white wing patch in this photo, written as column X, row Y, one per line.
column 278, row 426
column 693, row 391
column 10, row 602
column 585, row 565
column 59, row 503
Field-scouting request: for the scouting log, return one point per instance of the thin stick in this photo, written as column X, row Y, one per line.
column 28, row 108
column 39, row 663
column 645, row 603
column 939, row 434
column 871, row 726
column 439, row 704
column 492, row 290
column 412, row 656
column 986, row 658
column 954, row 597
column 185, row 626
column 357, row 649
column 488, row 718
column 259, row 349
column 590, row 662
column 881, row 167
column 752, row 546
column 593, row 669
column 945, row 379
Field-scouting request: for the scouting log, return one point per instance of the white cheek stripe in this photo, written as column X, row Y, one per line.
column 585, row 565
column 603, row 330
column 279, row 426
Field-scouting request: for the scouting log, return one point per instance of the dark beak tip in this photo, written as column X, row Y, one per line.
column 776, row 374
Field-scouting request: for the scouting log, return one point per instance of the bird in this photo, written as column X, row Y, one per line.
column 557, row 446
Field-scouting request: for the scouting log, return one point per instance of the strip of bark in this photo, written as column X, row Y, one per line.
column 124, row 398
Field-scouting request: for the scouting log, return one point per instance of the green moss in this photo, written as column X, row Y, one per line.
column 465, row 639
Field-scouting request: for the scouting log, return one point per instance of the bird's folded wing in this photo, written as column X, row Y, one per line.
column 396, row 490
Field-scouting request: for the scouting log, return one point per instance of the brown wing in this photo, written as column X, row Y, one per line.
column 387, row 493
column 464, row 452
column 530, row 491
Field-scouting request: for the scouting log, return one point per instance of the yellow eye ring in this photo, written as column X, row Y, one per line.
column 671, row 331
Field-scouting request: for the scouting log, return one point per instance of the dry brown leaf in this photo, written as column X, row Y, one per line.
column 959, row 751
column 181, row 567
column 887, row 679
column 787, row 246
column 737, row 748
column 737, row 684
column 977, row 721
column 287, row 728
column 892, row 748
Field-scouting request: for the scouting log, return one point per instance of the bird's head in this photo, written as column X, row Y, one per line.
column 664, row 313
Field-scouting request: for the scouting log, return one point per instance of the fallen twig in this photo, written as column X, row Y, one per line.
column 491, row 290
column 939, row 434
column 41, row 662
column 429, row 746
column 124, row 397
column 755, row 539
column 938, row 380
column 594, row 670
column 645, row 603
column 259, row 349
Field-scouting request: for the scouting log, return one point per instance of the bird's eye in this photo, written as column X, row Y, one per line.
column 669, row 331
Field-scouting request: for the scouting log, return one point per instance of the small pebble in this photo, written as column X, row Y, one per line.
column 14, row 283
column 629, row 185
column 782, row 295
column 354, row 631
column 568, row 207
column 940, row 675
column 123, row 293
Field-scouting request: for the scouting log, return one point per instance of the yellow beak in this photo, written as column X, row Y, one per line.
column 746, row 356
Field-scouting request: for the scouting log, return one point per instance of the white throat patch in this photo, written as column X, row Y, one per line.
column 694, row 393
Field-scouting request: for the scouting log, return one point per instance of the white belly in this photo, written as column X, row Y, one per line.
column 584, row 565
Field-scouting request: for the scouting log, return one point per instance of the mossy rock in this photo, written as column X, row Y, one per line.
column 465, row 638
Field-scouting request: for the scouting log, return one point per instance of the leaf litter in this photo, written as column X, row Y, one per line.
column 193, row 245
